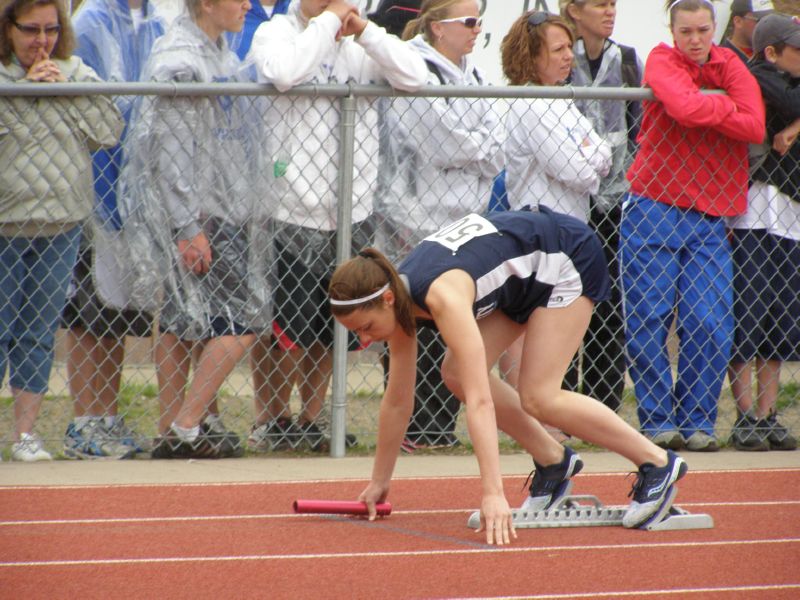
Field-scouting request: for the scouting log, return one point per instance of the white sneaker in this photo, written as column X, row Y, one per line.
column 29, row 449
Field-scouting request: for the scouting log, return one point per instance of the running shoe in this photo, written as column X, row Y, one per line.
column 700, row 441
column 747, row 436
column 29, row 448
column 777, row 434
column 651, row 489
column 129, row 437
column 278, row 434
column 551, row 483
column 312, row 437
column 94, row 440
column 203, row 446
column 316, row 440
column 228, row 443
column 668, row 440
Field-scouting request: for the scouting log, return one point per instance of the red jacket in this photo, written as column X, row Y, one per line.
column 693, row 146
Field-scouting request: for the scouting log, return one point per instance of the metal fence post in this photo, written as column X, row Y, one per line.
column 343, row 241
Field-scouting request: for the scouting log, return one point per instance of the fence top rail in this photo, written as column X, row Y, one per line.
column 329, row 90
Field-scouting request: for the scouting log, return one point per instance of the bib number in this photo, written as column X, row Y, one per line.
column 462, row 231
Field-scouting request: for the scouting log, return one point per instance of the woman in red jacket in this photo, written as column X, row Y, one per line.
column 691, row 170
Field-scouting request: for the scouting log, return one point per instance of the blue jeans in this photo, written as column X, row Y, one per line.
column 34, row 278
column 675, row 260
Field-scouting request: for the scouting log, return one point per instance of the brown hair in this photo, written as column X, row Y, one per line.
column 430, row 11
column 523, row 43
column 365, row 274
column 689, row 5
column 563, row 6
column 14, row 9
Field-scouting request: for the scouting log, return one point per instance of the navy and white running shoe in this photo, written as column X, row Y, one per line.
column 551, row 483
column 652, row 488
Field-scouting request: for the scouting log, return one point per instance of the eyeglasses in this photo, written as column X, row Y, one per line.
column 537, row 18
column 468, row 22
column 49, row 31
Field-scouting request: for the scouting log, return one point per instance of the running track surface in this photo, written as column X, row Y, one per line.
column 241, row 541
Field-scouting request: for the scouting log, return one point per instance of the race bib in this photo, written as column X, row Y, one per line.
column 459, row 233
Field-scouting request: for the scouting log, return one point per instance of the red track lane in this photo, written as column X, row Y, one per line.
column 176, row 543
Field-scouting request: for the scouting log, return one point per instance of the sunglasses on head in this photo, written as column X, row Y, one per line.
column 468, row 22
column 537, row 18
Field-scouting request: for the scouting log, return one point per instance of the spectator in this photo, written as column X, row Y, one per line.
column 45, row 195
column 114, row 38
column 260, row 12
column 316, row 42
column 196, row 221
column 601, row 62
column 394, row 15
column 552, row 152
column 690, row 170
column 447, row 152
column 744, row 16
column 766, row 246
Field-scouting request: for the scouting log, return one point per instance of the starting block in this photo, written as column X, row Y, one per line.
column 588, row 511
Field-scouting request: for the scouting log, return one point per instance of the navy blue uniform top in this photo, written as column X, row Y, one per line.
column 519, row 260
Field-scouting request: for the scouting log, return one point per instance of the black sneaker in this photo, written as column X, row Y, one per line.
column 650, row 491
column 312, row 438
column 778, row 435
column 315, row 440
column 278, row 434
column 171, row 446
column 551, row 483
column 747, row 435
column 227, row 442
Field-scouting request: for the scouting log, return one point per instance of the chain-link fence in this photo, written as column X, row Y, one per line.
column 201, row 276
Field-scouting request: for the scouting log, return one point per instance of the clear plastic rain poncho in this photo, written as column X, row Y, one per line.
column 195, row 164
column 115, row 41
column 439, row 156
column 608, row 118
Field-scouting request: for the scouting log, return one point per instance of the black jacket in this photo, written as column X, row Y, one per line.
column 782, row 99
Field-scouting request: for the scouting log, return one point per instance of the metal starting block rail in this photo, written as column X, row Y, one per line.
column 588, row 511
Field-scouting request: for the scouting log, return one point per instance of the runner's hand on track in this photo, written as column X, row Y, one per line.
column 373, row 494
column 497, row 520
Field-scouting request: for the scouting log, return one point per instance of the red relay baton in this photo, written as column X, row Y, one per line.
column 339, row 507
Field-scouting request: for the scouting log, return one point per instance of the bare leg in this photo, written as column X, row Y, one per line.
column 274, row 378
column 509, row 364
column 553, row 336
column 314, row 380
column 94, row 370
column 26, row 409
column 499, row 332
column 218, row 358
column 173, row 362
column 741, row 384
column 768, row 375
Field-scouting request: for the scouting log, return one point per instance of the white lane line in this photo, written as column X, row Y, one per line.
column 393, row 554
column 275, row 516
column 4, row 488
column 622, row 594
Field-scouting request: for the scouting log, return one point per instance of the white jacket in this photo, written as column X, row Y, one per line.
column 289, row 51
column 554, row 157
column 443, row 153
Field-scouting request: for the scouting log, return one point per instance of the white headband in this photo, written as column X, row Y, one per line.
column 372, row 296
column 708, row 2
